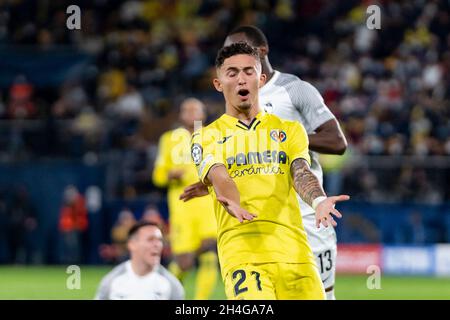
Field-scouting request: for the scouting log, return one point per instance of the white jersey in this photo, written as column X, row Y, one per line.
column 291, row 98
column 122, row 283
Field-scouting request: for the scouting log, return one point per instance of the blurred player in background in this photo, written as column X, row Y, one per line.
column 291, row 98
column 253, row 161
column 142, row 277
column 118, row 250
column 192, row 224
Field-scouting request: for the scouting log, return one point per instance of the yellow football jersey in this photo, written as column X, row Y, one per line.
column 258, row 157
column 191, row 221
column 173, row 153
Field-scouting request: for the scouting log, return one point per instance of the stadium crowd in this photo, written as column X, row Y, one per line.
column 389, row 88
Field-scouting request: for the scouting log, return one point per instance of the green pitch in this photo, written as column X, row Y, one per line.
column 17, row 282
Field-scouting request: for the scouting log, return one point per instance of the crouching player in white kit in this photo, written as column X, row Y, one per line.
column 290, row 98
column 142, row 277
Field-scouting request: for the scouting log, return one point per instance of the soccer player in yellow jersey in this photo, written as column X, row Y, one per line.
column 255, row 162
column 193, row 229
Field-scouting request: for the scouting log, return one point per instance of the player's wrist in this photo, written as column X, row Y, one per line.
column 316, row 201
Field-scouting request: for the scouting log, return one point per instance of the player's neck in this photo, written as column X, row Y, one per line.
column 141, row 269
column 245, row 116
column 188, row 128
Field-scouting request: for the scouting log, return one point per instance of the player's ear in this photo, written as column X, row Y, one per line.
column 131, row 245
column 262, row 80
column 217, row 84
column 263, row 51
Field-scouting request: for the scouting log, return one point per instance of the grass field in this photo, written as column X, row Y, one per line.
column 17, row 282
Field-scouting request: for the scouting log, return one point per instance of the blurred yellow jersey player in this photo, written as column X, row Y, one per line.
column 255, row 162
column 193, row 228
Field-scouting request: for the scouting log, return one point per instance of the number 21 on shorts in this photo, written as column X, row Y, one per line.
column 241, row 285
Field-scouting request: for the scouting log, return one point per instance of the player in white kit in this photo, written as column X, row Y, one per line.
column 142, row 277
column 291, row 98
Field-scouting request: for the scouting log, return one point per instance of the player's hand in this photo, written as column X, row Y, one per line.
column 175, row 174
column 194, row 190
column 325, row 210
column 235, row 209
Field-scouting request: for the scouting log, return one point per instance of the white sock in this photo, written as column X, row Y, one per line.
column 330, row 295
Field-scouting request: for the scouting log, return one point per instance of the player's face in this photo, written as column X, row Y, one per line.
column 239, row 79
column 147, row 245
column 191, row 110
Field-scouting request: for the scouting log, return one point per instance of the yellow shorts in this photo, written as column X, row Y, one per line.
column 191, row 222
column 274, row 281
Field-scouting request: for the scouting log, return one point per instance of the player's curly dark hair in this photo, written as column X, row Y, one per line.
column 234, row 49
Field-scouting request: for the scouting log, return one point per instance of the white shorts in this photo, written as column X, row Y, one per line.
column 323, row 244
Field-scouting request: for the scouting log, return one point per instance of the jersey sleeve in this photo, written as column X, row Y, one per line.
column 176, row 288
column 162, row 163
column 104, row 289
column 177, row 292
column 298, row 142
column 310, row 104
column 206, row 152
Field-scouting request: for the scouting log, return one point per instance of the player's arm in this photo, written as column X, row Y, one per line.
column 328, row 138
column 309, row 189
column 227, row 192
column 198, row 189
column 305, row 182
column 212, row 171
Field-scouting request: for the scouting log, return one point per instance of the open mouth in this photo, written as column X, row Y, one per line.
column 243, row 93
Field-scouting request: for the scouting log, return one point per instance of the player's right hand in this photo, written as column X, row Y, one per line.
column 326, row 209
column 235, row 209
column 194, row 190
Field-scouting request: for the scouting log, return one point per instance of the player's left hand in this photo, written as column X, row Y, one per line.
column 197, row 189
column 236, row 210
column 325, row 208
